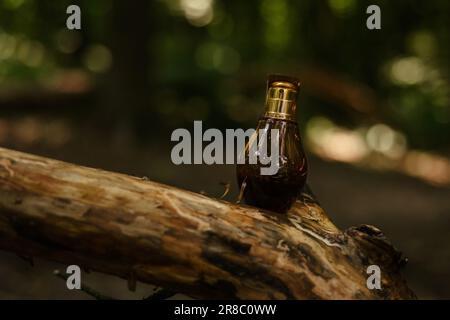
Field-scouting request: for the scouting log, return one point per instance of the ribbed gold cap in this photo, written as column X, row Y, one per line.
column 281, row 98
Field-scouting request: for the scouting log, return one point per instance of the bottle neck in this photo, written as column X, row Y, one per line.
column 281, row 101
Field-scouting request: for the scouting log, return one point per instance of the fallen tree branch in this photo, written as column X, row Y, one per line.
column 186, row 242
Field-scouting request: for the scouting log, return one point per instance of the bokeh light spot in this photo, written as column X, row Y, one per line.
column 199, row 13
column 97, row 58
column 407, row 71
column 342, row 7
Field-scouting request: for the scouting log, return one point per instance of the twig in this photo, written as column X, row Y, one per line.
column 160, row 294
column 86, row 289
column 227, row 186
column 241, row 191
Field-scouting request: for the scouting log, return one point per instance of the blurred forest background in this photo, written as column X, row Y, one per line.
column 374, row 106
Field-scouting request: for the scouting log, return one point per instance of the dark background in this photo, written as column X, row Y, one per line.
column 374, row 107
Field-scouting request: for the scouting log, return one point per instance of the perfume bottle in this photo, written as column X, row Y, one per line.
column 279, row 191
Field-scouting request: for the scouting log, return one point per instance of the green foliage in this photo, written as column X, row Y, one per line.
column 216, row 54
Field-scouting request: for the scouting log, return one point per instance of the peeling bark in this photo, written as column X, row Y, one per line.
column 207, row 248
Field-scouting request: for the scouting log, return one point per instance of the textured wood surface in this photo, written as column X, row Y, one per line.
column 207, row 248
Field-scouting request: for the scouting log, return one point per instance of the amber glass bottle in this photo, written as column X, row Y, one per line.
column 276, row 192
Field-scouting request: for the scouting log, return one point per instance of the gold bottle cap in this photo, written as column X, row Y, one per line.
column 281, row 99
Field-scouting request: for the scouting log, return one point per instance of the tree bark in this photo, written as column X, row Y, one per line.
column 207, row 248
